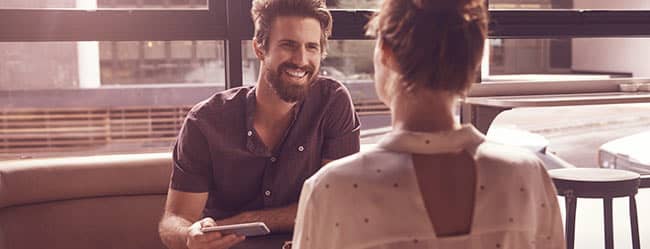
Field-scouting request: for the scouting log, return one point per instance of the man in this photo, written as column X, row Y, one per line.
column 244, row 153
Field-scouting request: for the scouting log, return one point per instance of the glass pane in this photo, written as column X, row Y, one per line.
column 250, row 63
column 90, row 98
column 576, row 133
column 52, row 65
column 566, row 59
column 94, row 4
column 569, row 4
column 156, row 62
column 349, row 61
column 353, row 4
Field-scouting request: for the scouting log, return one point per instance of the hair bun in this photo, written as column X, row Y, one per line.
column 450, row 12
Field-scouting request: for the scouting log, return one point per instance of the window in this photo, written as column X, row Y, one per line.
column 162, row 62
column 152, row 59
column 570, row 4
column 353, row 4
column 109, row 81
column 566, row 59
column 94, row 4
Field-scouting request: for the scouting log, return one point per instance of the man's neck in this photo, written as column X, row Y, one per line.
column 272, row 115
column 269, row 107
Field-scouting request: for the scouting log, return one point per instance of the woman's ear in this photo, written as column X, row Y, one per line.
column 259, row 51
column 387, row 57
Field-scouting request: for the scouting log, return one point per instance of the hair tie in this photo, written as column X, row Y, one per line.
column 448, row 17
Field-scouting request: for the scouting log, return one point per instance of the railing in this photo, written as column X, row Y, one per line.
column 24, row 130
column 38, row 129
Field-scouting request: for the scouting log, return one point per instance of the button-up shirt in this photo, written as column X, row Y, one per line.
column 372, row 199
column 218, row 151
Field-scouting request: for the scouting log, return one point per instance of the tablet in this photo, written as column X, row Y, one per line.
column 245, row 229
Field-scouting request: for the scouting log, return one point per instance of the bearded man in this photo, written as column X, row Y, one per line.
column 243, row 154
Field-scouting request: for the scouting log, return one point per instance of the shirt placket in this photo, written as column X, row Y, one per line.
column 271, row 169
column 255, row 146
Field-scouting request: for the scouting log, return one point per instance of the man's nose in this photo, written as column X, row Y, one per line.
column 299, row 56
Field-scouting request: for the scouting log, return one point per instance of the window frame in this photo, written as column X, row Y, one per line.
column 229, row 20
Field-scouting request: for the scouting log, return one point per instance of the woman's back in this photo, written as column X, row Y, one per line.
column 432, row 183
column 385, row 198
column 447, row 183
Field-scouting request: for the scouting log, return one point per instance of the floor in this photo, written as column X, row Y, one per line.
column 590, row 226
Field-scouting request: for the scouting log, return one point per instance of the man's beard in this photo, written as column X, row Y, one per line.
column 290, row 92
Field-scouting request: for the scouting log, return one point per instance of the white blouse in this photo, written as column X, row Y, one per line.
column 372, row 199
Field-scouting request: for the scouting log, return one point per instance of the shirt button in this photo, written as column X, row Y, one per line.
column 267, row 193
column 301, row 149
column 273, row 159
column 250, row 133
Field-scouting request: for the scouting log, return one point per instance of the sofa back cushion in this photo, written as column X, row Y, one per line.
column 90, row 202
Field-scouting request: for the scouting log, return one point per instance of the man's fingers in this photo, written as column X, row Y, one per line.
column 237, row 240
column 207, row 222
column 205, row 237
column 227, row 241
column 195, row 233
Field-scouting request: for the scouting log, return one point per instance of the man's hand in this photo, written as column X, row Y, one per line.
column 210, row 240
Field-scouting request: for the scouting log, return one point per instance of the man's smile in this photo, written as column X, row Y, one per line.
column 296, row 73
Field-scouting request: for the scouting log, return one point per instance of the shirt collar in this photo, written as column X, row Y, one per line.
column 251, row 102
column 431, row 143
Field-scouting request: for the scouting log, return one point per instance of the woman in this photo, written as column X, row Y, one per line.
column 431, row 182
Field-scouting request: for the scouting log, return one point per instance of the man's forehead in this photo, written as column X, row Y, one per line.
column 295, row 28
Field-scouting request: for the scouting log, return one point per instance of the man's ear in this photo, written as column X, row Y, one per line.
column 259, row 51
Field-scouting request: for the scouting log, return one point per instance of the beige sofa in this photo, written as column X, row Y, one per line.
column 83, row 202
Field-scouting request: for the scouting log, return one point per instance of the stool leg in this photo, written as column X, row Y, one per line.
column 635, row 223
column 609, row 232
column 570, row 226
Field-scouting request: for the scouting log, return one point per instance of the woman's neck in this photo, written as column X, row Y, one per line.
column 424, row 111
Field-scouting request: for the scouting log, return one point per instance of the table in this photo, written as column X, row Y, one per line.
column 481, row 111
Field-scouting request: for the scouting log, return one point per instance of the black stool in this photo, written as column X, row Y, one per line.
column 597, row 183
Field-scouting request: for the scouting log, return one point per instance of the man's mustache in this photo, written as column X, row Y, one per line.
column 307, row 68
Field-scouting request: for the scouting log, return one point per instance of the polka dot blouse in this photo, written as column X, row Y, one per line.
column 372, row 200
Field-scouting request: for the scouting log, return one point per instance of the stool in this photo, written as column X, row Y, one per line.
column 606, row 184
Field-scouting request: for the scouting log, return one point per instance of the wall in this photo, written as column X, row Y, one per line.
column 612, row 54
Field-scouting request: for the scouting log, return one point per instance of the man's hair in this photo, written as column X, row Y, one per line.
column 264, row 12
column 436, row 43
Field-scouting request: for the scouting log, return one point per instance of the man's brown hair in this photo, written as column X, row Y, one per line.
column 436, row 43
column 264, row 12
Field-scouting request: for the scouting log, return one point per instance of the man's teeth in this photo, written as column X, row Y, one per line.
column 297, row 74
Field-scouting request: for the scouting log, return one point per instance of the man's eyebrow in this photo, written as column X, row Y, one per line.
column 287, row 40
column 295, row 42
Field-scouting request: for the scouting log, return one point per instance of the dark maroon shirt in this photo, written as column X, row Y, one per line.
column 218, row 150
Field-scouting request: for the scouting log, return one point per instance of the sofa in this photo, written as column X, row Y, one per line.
column 93, row 202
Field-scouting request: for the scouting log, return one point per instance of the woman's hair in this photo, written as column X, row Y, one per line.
column 436, row 44
column 264, row 12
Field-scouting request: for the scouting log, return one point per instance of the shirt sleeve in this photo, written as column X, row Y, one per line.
column 550, row 228
column 342, row 127
column 307, row 222
column 191, row 159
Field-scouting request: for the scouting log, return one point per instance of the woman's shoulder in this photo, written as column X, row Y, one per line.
column 360, row 166
column 361, row 175
column 510, row 168
column 506, row 157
